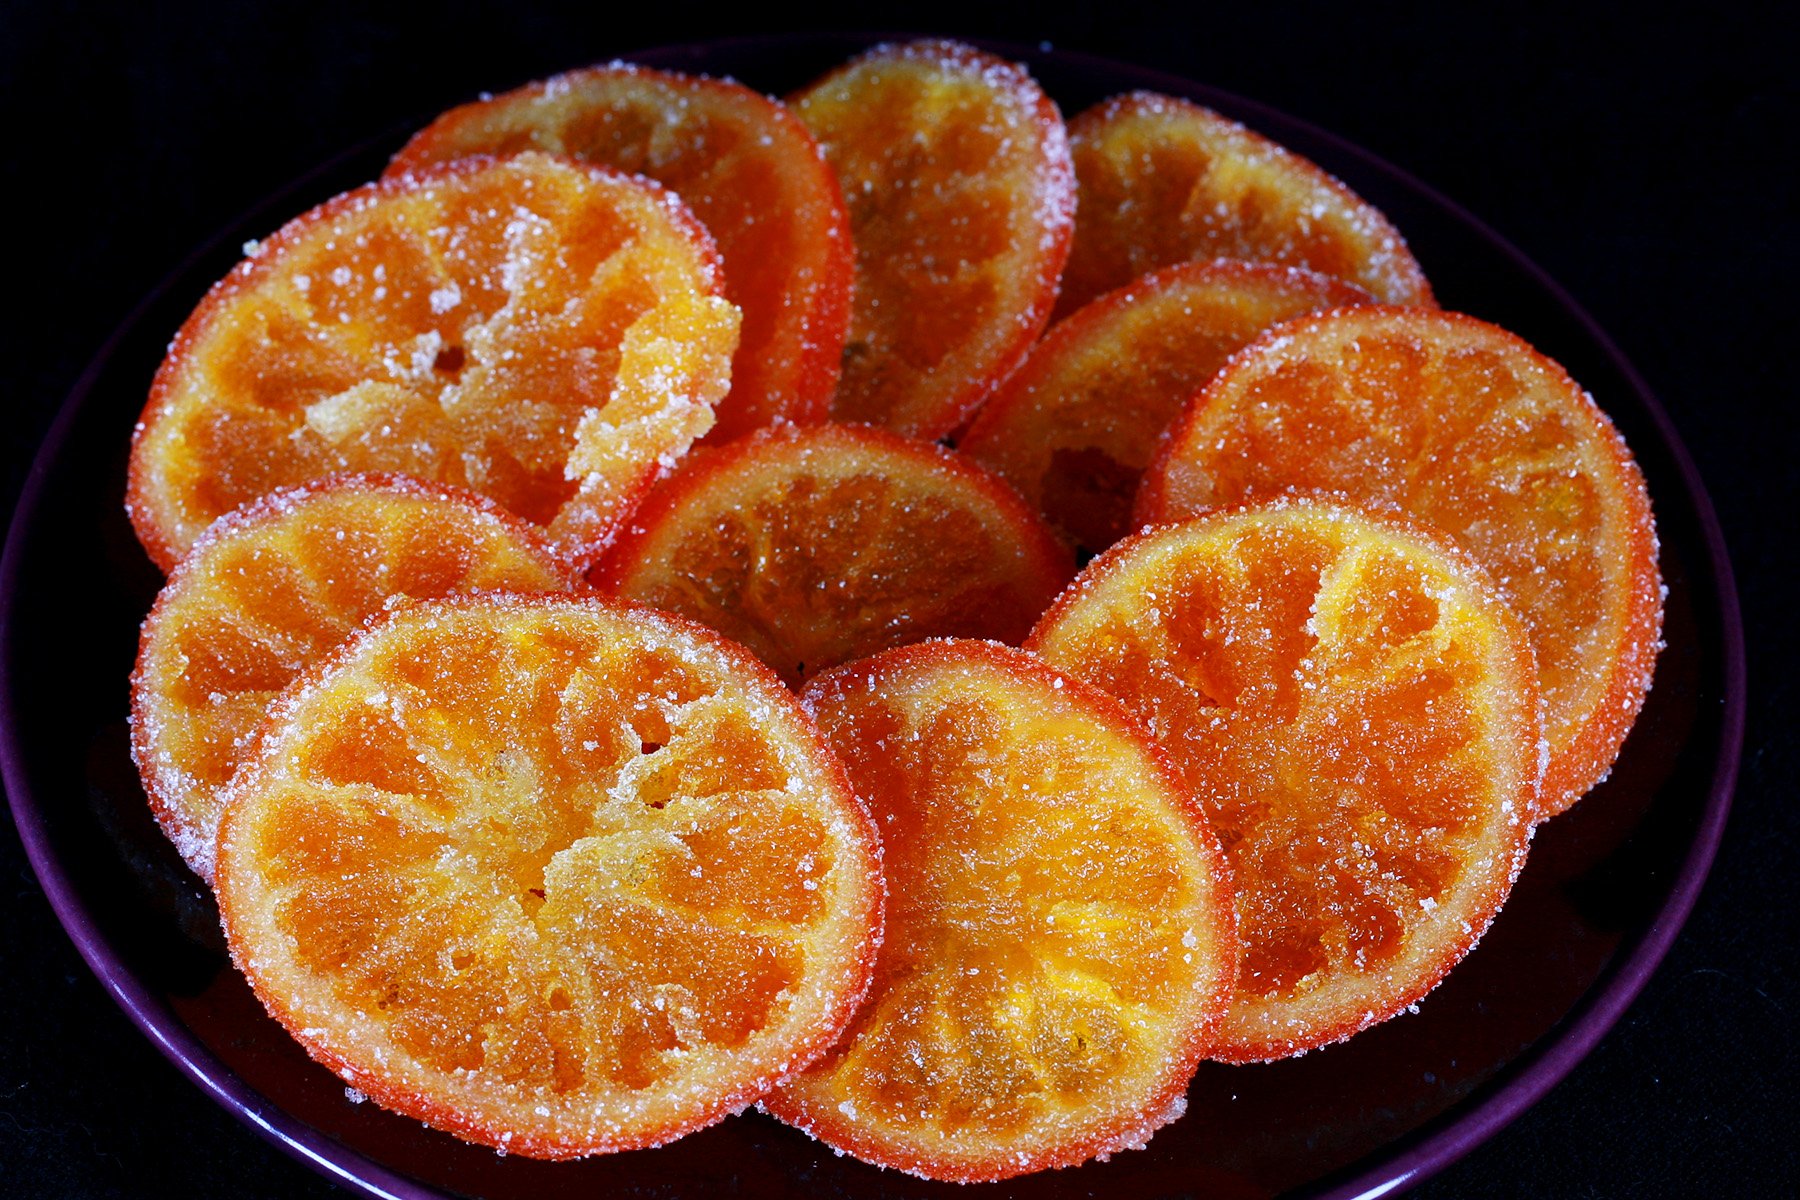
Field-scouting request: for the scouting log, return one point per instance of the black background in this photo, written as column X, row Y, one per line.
column 1646, row 161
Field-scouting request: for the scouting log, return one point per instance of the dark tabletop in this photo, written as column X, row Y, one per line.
column 1645, row 162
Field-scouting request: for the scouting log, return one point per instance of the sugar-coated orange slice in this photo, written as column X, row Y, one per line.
column 955, row 167
column 1469, row 429
column 1077, row 424
column 749, row 170
column 271, row 589
column 558, row 876
column 546, row 333
column 1163, row 180
column 1060, row 940
column 814, row 546
column 1357, row 708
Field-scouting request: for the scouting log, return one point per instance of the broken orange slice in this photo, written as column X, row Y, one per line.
column 955, row 167
column 749, row 170
column 546, row 333
column 814, row 546
column 1163, row 180
column 1077, row 424
column 1356, row 707
column 558, row 876
column 1060, row 942
column 1466, row 427
column 272, row 588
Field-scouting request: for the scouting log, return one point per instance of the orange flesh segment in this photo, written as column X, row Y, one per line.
column 817, row 546
column 1357, row 710
column 557, row 876
column 1163, row 180
column 1059, row 941
column 955, row 168
column 1469, row 429
column 1077, row 424
column 749, row 170
column 272, row 589
column 542, row 332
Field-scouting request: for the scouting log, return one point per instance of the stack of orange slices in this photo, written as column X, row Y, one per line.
column 598, row 710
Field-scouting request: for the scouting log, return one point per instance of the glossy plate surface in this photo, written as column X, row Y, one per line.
column 1602, row 896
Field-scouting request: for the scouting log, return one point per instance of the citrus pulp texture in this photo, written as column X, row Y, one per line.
column 1356, row 707
column 546, row 333
column 814, row 546
column 1060, row 943
column 1163, row 180
column 1467, row 428
column 274, row 587
column 559, row 876
column 749, row 170
column 955, row 167
column 1075, row 427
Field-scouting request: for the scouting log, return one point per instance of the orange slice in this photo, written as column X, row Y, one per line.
column 816, row 546
column 543, row 332
column 955, row 167
column 1060, row 943
column 1357, row 709
column 750, row 171
column 1163, row 180
column 275, row 586
column 558, row 876
column 1075, row 427
column 1469, row 429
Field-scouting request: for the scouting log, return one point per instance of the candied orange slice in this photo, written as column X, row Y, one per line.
column 275, row 586
column 814, row 546
column 1163, row 180
column 1357, row 709
column 1469, row 429
column 745, row 165
column 558, row 876
column 955, row 167
column 543, row 332
column 1060, row 940
column 1077, row 424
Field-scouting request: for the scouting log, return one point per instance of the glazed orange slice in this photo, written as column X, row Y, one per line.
column 557, row 876
column 1075, row 427
column 816, row 546
column 1357, row 709
column 543, row 332
column 1163, row 180
column 275, row 586
column 955, row 167
column 1469, row 429
column 749, row 170
column 1060, row 942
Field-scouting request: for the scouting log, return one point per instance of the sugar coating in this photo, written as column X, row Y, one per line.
column 1078, row 423
column 458, row 324
column 816, row 546
column 956, row 170
column 1164, row 180
column 1355, row 706
column 750, row 171
column 1468, row 428
column 532, row 870
column 1060, row 936
column 270, row 590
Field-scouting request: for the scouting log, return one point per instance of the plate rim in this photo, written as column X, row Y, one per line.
column 1406, row 1162
column 1454, row 1133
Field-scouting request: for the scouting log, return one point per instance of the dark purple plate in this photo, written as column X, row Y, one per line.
column 1605, row 890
